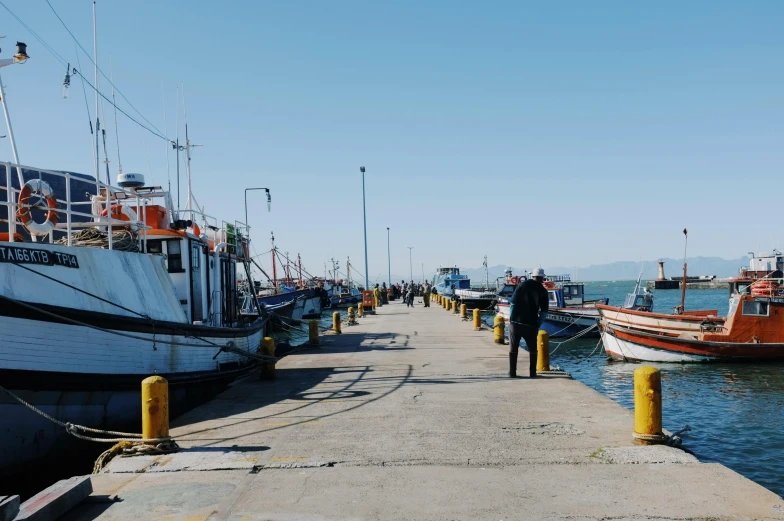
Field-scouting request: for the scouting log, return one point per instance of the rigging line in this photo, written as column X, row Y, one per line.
column 87, row 106
column 99, row 69
column 207, row 343
column 116, row 130
column 41, row 40
column 148, row 129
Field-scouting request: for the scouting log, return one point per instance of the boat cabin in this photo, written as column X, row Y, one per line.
column 206, row 259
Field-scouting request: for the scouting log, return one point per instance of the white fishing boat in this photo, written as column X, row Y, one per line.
column 102, row 286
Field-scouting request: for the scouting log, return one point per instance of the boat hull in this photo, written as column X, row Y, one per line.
column 560, row 323
column 642, row 346
column 98, row 401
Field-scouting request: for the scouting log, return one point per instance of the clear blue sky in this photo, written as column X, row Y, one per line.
column 536, row 133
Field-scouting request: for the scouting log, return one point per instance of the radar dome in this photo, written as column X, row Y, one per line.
column 130, row 180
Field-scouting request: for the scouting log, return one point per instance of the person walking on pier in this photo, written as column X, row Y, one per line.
column 426, row 294
column 528, row 308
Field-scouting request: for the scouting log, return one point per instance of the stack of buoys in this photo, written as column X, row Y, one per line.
column 764, row 288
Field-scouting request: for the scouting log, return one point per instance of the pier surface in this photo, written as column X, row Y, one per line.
column 410, row 415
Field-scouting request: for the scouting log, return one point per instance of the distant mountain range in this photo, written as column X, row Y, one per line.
column 625, row 270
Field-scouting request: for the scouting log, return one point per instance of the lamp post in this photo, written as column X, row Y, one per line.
column 389, row 262
column 410, row 264
column 269, row 202
column 364, row 222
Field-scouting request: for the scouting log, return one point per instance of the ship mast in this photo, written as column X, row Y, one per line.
column 274, row 266
column 683, row 284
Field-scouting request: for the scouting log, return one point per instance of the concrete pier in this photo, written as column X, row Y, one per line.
column 410, row 415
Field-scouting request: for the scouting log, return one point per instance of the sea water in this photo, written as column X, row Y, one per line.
column 736, row 411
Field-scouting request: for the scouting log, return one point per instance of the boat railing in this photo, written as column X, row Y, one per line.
column 98, row 216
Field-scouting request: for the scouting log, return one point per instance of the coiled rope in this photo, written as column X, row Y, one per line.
column 122, row 240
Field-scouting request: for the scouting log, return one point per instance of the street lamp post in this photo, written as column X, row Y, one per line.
column 364, row 222
column 269, row 202
column 389, row 262
column 410, row 264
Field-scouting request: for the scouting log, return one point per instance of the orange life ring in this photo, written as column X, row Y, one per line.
column 764, row 288
column 18, row 237
column 549, row 284
column 119, row 212
column 195, row 230
column 23, row 207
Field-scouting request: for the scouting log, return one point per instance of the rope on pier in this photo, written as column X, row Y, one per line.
column 671, row 440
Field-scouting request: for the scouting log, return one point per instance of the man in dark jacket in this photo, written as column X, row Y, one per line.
column 528, row 308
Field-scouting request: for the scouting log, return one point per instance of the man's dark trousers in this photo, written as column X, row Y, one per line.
column 529, row 334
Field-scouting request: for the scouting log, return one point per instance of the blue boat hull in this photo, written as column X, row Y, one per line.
column 560, row 324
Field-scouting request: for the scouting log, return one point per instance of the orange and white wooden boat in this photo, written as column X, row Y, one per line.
column 752, row 330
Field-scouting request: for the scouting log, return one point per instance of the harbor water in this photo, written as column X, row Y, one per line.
column 736, row 411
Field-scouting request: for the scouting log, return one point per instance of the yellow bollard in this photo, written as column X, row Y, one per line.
column 268, row 349
column 498, row 329
column 477, row 320
column 336, row 322
column 155, row 407
column 543, row 351
column 352, row 318
column 454, row 307
column 361, row 309
column 447, row 303
column 647, row 404
column 313, row 337
column 463, row 311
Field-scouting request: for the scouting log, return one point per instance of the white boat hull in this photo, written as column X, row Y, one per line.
column 620, row 349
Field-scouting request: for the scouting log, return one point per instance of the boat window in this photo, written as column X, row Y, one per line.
column 552, row 296
column 195, row 257
column 155, row 246
column 174, row 256
column 756, row 308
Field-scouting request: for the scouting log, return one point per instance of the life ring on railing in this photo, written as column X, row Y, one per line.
column 764, row 288
column 23, row 207
column 195, row 230
column 548, row 284
column 121, row 213
column 18, row 237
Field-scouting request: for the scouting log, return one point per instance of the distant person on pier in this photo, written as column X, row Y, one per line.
column 410, row 295
column 426, row 294
column 377, row 296
column 528, row 308
column 384, row 293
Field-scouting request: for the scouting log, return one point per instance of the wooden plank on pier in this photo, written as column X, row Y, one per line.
column 53, row 502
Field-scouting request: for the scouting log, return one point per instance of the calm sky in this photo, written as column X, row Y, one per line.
column 536, row 133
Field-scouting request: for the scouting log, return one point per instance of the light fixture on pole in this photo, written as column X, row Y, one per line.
column 364, row 222
column 269, row 202
column 389, row 262
column 410, row 264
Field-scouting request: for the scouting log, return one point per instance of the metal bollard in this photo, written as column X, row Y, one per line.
column 498, row 329
column 361, row 309
column 155, row 407
column 313, row 333
column 268, row 349
column 352, row 318
column 336, row 322
column 543, row 351
column 463, row 311
column 647, row 405
column 477, row 320
column 454, row 307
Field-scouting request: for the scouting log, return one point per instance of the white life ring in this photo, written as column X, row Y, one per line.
column 23, row 207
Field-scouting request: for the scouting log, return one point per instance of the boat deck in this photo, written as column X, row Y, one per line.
column 410, row 415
